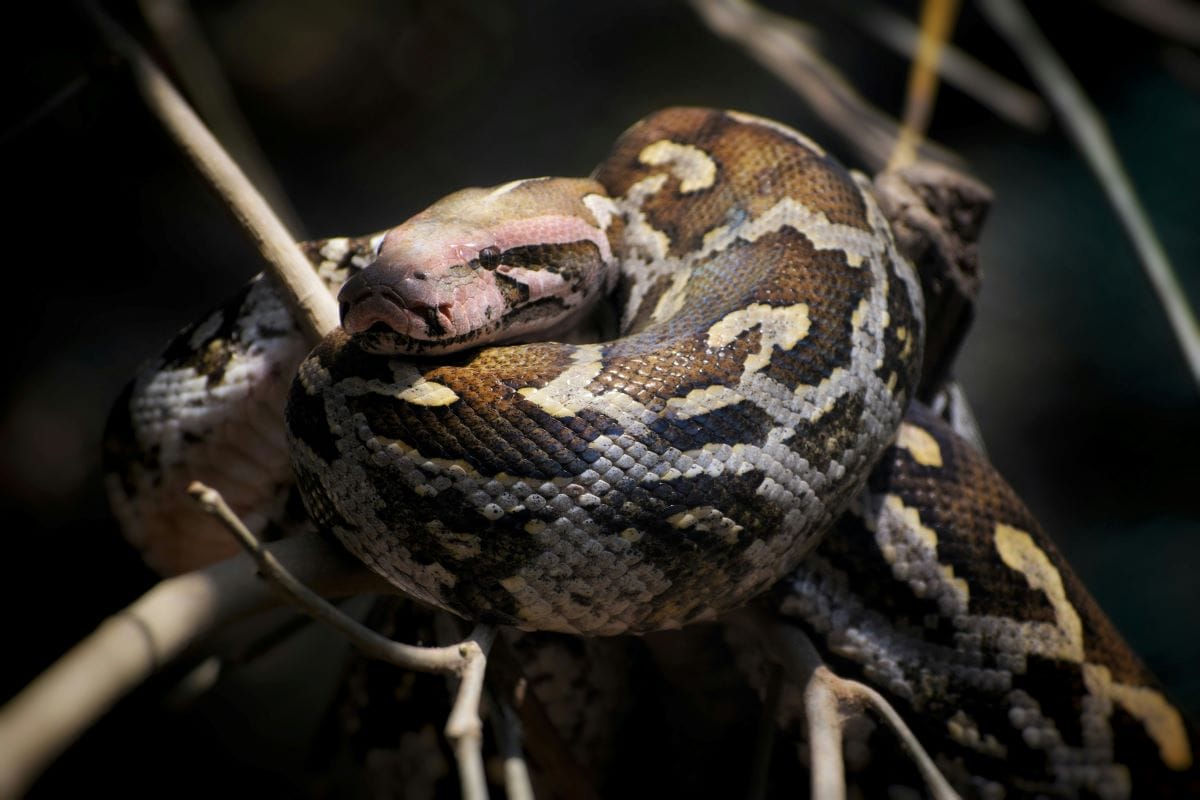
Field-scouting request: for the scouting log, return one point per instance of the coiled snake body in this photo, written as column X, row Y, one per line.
column 770, row 343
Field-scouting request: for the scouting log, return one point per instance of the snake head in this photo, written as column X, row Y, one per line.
column 521, row 261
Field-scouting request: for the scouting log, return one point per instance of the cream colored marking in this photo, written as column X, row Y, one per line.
column 427, row 393
column 602, row 208
column 920, row 444
column 672, row 300
column 694, row 168
column 709, row 520
column 777, row 325
column 335, row 249
column 508, row 187
column 1162, row 721
column 640, row 234
column 857, row 244
column 779, row 128
column 909, row 520
column 513, row 583
column 567, row 393
column 1018, row 551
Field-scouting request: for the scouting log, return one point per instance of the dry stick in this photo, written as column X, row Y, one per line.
column 466, row 659
column 774, row 41
column 937, row 18
column 801, row 662
column 182, row 41
column 66, row 699
column 444, row 660
column 1090, row 135
column 1170, row 19
column 1013, row 103
column 313, row 307
column 517, row 784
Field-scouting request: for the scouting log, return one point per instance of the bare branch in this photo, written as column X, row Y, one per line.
column 831, row 700
column 178, row 33
column 66, row 699
column 1086, row 127
column 1007, row 100
column 313, row 307
column 464, row 727
column 780, row 45
column 451, row 659
column 937, row 19
column 1170, row 19
column 517, row 784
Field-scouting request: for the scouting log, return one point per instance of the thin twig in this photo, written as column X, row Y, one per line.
column 53, row 710
column 312, row 306
column 1086, row 127
column 466, row 659
column 1171, row 19
column 774, row 41
column 451, row 659
column 937, row 19
column 464, row 727
column 178, row 33
column 1007, row 100
column 517, row 784
column 803, row 665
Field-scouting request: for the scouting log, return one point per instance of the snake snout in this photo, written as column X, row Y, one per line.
column 403, row 304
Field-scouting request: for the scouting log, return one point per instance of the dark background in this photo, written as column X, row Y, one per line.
column 371, row 109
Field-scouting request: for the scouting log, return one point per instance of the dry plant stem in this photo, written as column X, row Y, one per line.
column 1087, row 129
column 66, row 699
column 829, row 701
column 937, row 19
column 776, row 43
column 517, row 784
column 823, row 711
column 453, row 659
column 178, row 33
column 1178, row 20
column 313, row 307
column 466, row 659
column 1012, row 103
column 464, row 727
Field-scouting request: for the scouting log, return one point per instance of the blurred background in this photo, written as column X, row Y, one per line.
column 370, row 109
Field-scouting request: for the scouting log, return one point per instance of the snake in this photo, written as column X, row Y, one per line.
column 748, row 435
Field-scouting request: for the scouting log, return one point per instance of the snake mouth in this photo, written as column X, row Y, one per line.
column 366, row 308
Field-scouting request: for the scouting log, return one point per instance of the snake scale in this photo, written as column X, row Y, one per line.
column 759, row 393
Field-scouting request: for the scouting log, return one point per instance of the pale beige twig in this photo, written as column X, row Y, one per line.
column 312, row 306
column 1086, row 127
column 447, row 660
column 829, row 701
column 466, row 659
column 780, row 45
column 464, row 727
column 517, row 783
column 66, row 699
column 1013, row 103
column 183, row 43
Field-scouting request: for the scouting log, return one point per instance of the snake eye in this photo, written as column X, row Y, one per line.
column 489, row 257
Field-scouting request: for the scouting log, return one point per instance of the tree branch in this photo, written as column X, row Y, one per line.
column 66, row 699
column 312, row 306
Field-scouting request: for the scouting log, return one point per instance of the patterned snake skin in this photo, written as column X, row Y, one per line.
column 770, row 343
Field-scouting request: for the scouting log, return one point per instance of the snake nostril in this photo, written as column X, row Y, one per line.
column 420, row 275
